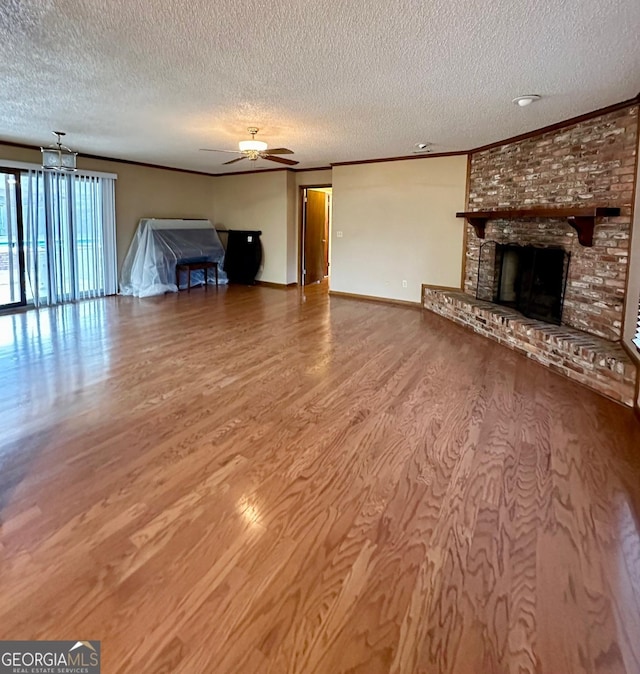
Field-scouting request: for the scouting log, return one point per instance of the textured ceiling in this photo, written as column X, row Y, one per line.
column 154, row 80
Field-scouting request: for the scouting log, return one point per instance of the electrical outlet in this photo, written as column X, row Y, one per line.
column 404, row 284
column 339, row 234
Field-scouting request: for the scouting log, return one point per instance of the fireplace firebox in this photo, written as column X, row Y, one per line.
column 532, row 280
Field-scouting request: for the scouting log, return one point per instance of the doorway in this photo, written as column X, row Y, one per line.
column 12, row 277
column 315, row 227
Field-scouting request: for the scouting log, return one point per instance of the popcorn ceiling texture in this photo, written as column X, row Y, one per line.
column 591, row 163
column 154, row 81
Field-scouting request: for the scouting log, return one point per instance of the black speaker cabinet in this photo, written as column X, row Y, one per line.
column 243, row 256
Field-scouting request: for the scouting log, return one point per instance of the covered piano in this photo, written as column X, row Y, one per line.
column 158, row 245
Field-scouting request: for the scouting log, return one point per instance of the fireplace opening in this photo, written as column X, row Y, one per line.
column 532, row 280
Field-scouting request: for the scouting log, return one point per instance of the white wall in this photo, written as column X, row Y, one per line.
column 398, row 222
column 397, row 218
column 258, row 201
column 320, row 177
column 267, row 201
column 292, row 229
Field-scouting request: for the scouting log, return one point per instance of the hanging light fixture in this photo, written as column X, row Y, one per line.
column 58, row 157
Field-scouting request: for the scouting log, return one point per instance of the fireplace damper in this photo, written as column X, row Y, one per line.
column 532, row 280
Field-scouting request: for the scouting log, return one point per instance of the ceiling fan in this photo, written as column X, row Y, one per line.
column 256, row 149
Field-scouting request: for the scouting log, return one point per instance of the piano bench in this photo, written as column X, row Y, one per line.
column 188, row 266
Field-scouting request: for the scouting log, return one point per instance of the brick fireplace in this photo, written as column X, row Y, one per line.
column 591, row 163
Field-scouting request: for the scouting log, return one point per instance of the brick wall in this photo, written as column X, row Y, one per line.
column 589, row 163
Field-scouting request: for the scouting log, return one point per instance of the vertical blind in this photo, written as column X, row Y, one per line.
column 69, row 236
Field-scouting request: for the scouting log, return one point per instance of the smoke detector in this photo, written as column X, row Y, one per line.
column 420, row 148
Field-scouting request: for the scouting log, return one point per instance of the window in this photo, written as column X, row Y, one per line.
column 69, row 236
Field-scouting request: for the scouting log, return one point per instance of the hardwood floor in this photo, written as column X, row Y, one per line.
column 258, row 480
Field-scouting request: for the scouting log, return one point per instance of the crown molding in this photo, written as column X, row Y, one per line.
column 26, row 146
column 433, row 155
column 145, row 164
column 98, row 157
column 513, row 139
column 244, row 173
column 318, row 168
column 560, row 125
column 288, row 168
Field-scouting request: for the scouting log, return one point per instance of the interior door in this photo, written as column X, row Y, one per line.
column 327, row 211
column 315, row 243
column 12, row 286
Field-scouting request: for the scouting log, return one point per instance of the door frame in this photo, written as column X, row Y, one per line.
column 16, row 173
column 301, row 189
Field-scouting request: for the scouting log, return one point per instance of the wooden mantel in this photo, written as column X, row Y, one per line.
column 581, row 219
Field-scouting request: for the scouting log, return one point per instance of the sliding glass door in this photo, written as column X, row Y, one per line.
column 57, row 236
column 12, row 269
column 69, row 230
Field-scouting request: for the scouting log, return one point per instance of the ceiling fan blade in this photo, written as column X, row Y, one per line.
column 233, row 161
column 280, row 150
column 208, row 149
column 280, row 160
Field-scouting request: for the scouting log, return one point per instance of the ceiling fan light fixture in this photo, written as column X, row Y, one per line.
column 252, row 146
column 256, row 149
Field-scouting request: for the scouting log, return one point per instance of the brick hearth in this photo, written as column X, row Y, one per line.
column 598, row 363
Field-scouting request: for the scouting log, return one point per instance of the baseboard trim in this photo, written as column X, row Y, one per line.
column 279, row 286
column 450, row 289
column 374, row 298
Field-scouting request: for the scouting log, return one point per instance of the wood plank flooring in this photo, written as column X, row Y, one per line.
column 264, row 481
